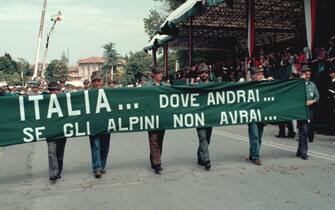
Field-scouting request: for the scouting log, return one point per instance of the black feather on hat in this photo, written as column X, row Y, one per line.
column 96, row 75
column 256, row 70
column 305, row 68
column 54, row 86
column 155, row 69
column 202, row 67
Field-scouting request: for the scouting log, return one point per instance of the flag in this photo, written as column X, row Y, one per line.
column 250, row 6
column 310, row 12
column 58, row 17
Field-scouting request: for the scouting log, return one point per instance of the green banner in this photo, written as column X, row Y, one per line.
column 26, row 119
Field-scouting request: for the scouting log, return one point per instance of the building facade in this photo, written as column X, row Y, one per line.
column 88, row 65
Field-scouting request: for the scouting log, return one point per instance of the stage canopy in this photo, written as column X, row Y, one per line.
column 223, row 24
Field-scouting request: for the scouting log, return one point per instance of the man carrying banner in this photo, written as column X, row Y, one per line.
column 306, row 129
column 156, row 137
column 34, row 85
column 255, row 130
column 100, row 142
column 2, row 90
column 56, row 147
column 204, row 134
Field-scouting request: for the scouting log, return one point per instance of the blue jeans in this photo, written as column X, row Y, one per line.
column 99, row 149
column 204, row 136
column 255, row 138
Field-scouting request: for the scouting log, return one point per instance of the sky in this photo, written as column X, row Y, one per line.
column 87, row 26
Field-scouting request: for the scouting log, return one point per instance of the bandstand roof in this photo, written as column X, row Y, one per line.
column 221, row 24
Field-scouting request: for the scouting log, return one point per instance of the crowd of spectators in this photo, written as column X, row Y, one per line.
column 284, row 64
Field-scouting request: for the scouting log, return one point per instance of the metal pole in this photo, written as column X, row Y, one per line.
column 166, row 60
column 190, row 42
column 154, row 56
column 46, row 50
column 39, row 39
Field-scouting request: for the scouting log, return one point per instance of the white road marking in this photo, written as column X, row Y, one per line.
column 276, row 145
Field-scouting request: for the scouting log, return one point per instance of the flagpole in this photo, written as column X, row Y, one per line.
column 39, row 39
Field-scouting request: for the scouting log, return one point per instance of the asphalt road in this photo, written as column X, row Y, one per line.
column 282, row 182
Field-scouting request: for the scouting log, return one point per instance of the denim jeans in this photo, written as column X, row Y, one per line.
column 99, row 149
column 204, row 136
column 255, row 138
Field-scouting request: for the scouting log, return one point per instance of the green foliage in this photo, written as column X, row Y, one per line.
column 64, row 58
column 172, row 58
column 23, row 69
column 157, row 17
column 110, row 54
column 171, row 4
column 11, row 79
column 57, row 70
column 7, row 64
column 137, row 65
column 10, row 70
column 152, row 23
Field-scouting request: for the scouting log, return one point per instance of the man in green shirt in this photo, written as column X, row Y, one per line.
column 306, row 128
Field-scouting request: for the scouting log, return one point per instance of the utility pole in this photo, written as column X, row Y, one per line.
column 39, row 39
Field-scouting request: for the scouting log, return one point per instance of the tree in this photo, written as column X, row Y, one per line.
column 172, row 4
column 157, row 17
column 111, row 56
column 10, row 70
column 57, row 70
column 152, row 23
column 23, row 69
column 137, row 65
column 172, row 58
column 7, row 64
column 64, row 58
